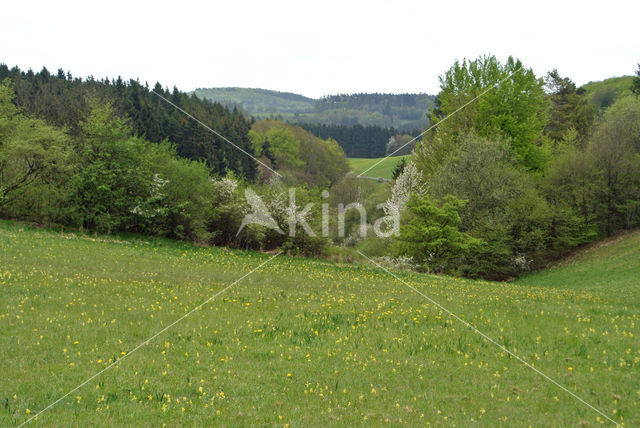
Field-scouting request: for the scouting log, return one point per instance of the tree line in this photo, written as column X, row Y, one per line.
column 93, row 166
column 357, row 141
column 529, row 171
column 524, row 174
column 64, row 101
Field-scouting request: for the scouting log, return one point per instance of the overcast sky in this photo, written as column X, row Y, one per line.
column 317, row 48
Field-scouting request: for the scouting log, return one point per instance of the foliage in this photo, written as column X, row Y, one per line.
column 397, row 170
column 526, row 220
column 180, row 200
column 615, row 153
column 114, row 174
column 570, row 109
column 104, row 178
column 298, row 155
column 124, row 183
column 432, row 236
column 508, row 102
column 401, row 144
column 353, row 190
column 64, row 101
column 34, row 163
column 534, row 189
column 502, row 207
column 401, row 111
column 356, row 140
column 258, row 102
column 410, row 181
column 603, row 94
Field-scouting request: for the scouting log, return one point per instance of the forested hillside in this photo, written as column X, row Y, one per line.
column 258, row 102
column 606, row 92
column 111, row 156
column 362, row 124
column 298, row 155
column 405, row 112
column 357, row 141
column 402, row 111
column 64, row 101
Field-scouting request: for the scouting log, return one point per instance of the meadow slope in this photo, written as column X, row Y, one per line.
column 382, row 170
column 299, row 342
column 609, row 265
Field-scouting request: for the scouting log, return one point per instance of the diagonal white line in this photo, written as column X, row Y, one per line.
column 217, row 133
column 490, row 88
column 146, row 342
column 492, row 341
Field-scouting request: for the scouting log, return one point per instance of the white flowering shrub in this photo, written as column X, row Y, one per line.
column 400, row 262
column 224, row 188
column 153, row 207
column 521, row 263
column 408, row 182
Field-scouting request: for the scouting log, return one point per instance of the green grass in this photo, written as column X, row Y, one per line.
column 612, row 265
column 300, row 342
column 383, row 170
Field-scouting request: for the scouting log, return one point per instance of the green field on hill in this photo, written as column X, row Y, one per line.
column 610, row 265
column 304, row 342
column 383, row 170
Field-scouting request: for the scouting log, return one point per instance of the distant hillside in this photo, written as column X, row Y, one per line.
column 405, row 112
column 401, row 111
column 258, row 102
column 384, row 169
column 357, row 141
column 606, row 92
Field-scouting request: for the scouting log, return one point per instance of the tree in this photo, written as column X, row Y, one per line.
column 34, row 161
column 570, row 186
column 297, row 154
column 397, row 170
column 481, row 171
column 432, row 236
column 493, row 100
column 114, row 175
column 570, row 109
column 615, row 150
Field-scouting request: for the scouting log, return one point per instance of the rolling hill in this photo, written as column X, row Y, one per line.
column 405, row 112
column 605, row 93
column 258, row 102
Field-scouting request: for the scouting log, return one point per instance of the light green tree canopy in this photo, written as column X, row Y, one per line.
column 493, row 100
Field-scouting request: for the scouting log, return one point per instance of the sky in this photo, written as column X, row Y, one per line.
column 317, row 48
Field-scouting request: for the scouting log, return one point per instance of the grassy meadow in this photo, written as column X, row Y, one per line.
column 305, row 342
column 383, row 170
column 610, row 265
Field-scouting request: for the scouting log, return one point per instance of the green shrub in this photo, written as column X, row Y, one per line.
column 432, row 235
